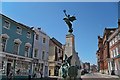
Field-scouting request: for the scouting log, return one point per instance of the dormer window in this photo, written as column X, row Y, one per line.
column 19, row 30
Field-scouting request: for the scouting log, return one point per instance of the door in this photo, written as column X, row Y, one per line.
column 8, row 68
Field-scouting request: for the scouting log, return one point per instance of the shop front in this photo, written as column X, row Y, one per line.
column 20, row 65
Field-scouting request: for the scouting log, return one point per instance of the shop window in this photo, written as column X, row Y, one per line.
column 27, row 49
column 19, row 30
column 4, row 40
column 16, row 48
column 28, row 34
column 35, row 52
column 7, row 24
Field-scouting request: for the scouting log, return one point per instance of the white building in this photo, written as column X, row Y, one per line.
column 40, row 52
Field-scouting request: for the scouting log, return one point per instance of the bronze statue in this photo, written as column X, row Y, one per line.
column 69, row 19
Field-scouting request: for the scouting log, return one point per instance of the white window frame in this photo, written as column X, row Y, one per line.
column 37, row 37
column 5, row 26
column 34, row 53
column 28, row 54
column 19, row 31
column 18, row 48
column 111, row 54
column 117, row 51
column 28, row 35
column 5, row 44
column 44, row 40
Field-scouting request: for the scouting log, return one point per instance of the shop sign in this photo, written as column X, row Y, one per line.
column 35, row 61
column 21, row 58
column 11, row 57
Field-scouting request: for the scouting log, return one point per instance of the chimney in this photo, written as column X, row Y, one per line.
column 39, row 29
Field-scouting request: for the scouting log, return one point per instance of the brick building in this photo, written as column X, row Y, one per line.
column 103, row 50
column 100, row 54
column 114, row 49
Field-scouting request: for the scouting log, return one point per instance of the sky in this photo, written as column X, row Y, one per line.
column 92, row 18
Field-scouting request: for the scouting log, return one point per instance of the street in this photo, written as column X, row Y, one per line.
column 99, row 76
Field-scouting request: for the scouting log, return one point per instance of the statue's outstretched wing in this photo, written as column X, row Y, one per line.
column 66, row 57
column 72, row 18
column 69, row 59
column 68, row 22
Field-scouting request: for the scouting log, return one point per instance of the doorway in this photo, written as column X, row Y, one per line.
column 8, row 68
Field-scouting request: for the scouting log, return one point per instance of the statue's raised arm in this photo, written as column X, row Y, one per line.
column 69, row 19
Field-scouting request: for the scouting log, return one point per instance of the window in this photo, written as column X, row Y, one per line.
column 110, row 43
column 37, row 36
column 35, row 52
column 43, row 40
column 111, row 54
column 28, row 35
column 56, row 54
column 59, row 51
column 117, row 51
column 7, row 24
column 16, row 48
column 43, row 55
column 119, row 36
column 19, row 30
column 27, row 49
column 4, row 40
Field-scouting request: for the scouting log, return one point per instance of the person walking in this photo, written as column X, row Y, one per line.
column 10, row 75
column 41, row 73
column 29, row 75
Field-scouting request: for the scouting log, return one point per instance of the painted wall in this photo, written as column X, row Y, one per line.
column 13, row 35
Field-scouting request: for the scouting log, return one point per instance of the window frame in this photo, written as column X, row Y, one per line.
column 37, row 37
column 5, row 26
column 44, row 40
column 28, row 36
column 28, row 53
column 17, row 49
column 5, row 44
column 36, row 54
column 43, row 56
column 19, row 31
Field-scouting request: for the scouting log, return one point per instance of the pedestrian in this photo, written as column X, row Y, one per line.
column 10, row 75
column 34, row 75
column 29, row 75
column 41, row 73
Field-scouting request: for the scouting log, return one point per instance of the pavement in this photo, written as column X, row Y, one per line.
column 99, row 76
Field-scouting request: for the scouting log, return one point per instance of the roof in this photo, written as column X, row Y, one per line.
column 30, row 28
column 109, row 31
column 56, row 42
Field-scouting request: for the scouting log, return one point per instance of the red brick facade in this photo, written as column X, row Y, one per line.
column 103, row 50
